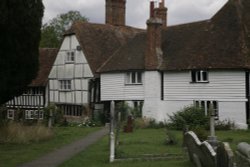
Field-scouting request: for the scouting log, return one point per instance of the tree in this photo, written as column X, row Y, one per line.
column 52, row 32
column 20, row 24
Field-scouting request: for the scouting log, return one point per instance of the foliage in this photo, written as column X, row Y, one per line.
column 20, row 35
column 170, row 138
column 224, row 125
column 52, row 32
column 19, row 133
column 57, row 115
column 188, row 116
column 201, row 133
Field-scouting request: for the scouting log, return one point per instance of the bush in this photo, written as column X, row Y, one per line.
column 57, row 115
column 224, row 125
column 201, row 133
column 188, row 116
column 170, row 138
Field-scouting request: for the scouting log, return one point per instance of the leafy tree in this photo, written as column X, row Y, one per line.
column 20, row 24
column 52, row 32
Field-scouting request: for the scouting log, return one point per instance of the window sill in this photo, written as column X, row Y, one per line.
column 69, row 62
column 203, row 82
column 133, row 84
column 65, row 90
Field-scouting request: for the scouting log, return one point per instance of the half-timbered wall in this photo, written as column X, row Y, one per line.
column 76, row 70
column 33, row 97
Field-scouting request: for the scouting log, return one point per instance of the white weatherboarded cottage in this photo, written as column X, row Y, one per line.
column 204, row 64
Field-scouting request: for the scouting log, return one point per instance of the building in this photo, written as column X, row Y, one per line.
column 74, row 85
column 35, row 97
column 204, row 63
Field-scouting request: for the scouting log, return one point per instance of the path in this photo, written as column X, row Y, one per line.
column 57, row 157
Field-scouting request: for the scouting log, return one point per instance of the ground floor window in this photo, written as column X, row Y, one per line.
column 71, row 110
column 138, row 108
column 33, row 114
column 205, row 106
column 10, row 114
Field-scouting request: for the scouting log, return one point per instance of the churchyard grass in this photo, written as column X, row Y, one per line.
column 13, row 154
column 145, row 141
column 133, row 145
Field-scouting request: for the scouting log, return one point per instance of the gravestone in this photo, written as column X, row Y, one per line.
column 225, row 156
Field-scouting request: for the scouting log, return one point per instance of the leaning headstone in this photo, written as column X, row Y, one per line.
column 200, row 153
column 224, row 155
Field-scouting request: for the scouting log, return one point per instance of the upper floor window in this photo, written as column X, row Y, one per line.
column 65, row 85
column 70, row 56
column 134, row 78
column 199, row 76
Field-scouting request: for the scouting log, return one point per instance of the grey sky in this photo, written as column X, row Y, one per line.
column 179, row 11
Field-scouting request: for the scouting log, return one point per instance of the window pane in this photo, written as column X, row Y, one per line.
column 193, row 77
column 133, row 77
column 198, row 76
column 204, row 75
column 139, row 77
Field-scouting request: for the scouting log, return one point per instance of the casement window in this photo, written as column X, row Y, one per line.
column 70, row 57
column 10, row 114
column 65, row 85
column 33, row 114
column 205, row 106
column 138, row 108
column 134, row 78
column 71, row 110
column 199, row 76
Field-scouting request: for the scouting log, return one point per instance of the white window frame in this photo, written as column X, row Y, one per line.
column 33, row 114
column 70, row 56
column 197, row 76
column 10, row 114
column 205, row 105
column 65, row 85
column 134, row 78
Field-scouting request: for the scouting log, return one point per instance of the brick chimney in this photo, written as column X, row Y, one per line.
column 153, row 55
column 161, row 12
column 115, row 12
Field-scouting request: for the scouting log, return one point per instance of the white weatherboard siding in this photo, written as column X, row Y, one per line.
column 224, row 86
column 78, row 72
column 113, row 87
column 152, row 99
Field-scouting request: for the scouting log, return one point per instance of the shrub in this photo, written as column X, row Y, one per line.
column 191, row 116
column 57, row 115
column 224, row 125
column 201, row 133
column 170, row 138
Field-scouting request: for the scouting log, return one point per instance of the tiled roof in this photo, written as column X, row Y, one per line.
column 219, row 43
column 100, row 41
column 47, row 57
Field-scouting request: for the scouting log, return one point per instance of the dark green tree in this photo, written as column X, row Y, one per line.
column 20, row 24
column 52, row 32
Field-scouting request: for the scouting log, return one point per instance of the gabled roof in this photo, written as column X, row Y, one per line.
column 47, row 57
column 219, row 43
column 100, row 41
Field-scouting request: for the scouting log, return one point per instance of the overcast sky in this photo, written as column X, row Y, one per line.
column 137, row 11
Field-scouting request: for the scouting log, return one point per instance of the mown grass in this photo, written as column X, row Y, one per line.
column 146, row 141
column 136, row 144
column 14, row 154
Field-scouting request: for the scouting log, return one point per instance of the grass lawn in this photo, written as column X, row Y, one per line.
column 142, row 141
column 145, row 141
column 14, row 154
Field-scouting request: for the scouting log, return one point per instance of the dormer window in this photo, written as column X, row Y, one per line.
column 199, row 76
column 70, row 56
column 134, row 78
